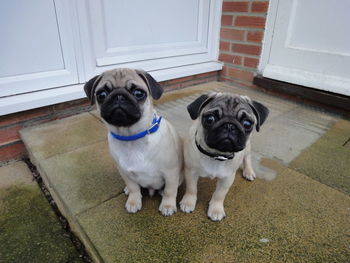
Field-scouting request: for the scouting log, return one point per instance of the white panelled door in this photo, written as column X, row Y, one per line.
column 153, row 35
column 309, row 44
column 50, row 48
column 36, row 49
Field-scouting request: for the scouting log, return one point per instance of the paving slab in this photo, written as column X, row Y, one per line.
column 83, row 178
column 267, row 219
column 44, row 141
column 29, row 230
column 290, row 219
column 328, row 160
column 286, row 136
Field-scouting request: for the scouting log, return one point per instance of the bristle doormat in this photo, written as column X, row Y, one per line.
column 328, row 159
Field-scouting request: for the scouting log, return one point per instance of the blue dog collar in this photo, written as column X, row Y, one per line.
column 154, row 127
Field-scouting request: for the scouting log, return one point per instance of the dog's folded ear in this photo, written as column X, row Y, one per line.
column 194, row 109
column 260, row 112
column 153, row 86
column 90, row 87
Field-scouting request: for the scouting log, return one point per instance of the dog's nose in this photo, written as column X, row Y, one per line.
column 229, row 126
column 120, row 98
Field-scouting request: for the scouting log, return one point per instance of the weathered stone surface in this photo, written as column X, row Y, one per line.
column 29, row 230
column 83, row 178
column 64, row 135
column 293, row 218
column 287, row 217
column 328, row 159
column 286, row 136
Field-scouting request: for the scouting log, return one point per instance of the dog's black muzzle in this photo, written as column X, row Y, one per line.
column 227, row 137
column 120, row 109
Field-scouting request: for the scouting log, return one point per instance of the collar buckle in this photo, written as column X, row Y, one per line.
column 221, row 158
column 149, row 130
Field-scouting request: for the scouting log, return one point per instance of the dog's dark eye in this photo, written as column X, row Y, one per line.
column 139, row 94
column 101, row 95
column 209, row 119
column 247, row 124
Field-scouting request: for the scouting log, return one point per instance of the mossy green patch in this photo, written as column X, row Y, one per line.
column 328, row 159
column 29, row 230
column 301, row 220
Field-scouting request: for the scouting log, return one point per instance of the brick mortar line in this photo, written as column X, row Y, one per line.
column 256, row 29
column 239, row 54
column 248, row 43
column 244, row 68
column 10, row 144
column 245, row 13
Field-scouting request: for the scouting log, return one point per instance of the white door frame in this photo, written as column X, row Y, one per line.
column 268, row 34
column 309, row 79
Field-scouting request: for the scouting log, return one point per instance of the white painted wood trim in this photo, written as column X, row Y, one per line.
column 268, row 35
column 95, row 65
column 309, row 79
column 43, row 98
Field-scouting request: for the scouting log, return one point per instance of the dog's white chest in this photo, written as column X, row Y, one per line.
column 136, row 162
column 220, row 169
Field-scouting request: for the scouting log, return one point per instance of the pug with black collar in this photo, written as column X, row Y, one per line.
column 146, row 148
column 219, row 142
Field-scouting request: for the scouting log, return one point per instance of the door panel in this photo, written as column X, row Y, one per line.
column 153, row 35
column 36, row 46
column 311, row 45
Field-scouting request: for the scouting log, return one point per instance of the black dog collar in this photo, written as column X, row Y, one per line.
column 218, row 157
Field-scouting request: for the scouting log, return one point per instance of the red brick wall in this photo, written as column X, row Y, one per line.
column 11, row 146
column 242, row 30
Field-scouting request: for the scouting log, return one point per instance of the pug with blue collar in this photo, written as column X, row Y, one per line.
column 146, row 148
column 218, row 144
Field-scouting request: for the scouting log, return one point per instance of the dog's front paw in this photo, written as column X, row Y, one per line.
column 133, row 204
column 188, row 203
column 249, row 174
column 126, row 190
column 167, row 208
column 216, row 212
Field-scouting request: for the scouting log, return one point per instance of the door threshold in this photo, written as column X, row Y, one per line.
column 320, row 97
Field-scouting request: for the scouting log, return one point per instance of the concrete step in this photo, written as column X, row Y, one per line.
column 281, row 216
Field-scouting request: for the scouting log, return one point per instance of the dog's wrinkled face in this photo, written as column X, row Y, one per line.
column 227, row 120
column 122, row 95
